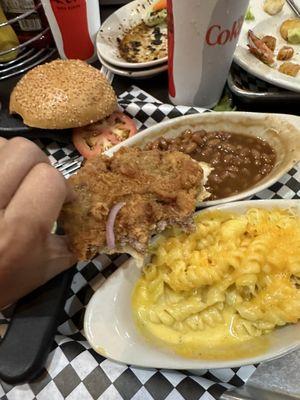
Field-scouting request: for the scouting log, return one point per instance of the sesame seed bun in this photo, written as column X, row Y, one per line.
column 63, row 94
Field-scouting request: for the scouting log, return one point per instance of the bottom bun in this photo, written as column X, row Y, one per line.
column 140, row 259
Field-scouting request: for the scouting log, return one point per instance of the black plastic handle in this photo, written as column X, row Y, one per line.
column 28, row 340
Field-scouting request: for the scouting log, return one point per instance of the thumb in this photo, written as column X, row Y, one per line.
column 59, row 257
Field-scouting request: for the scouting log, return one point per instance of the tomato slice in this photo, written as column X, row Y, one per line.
column 121, row 125
column 100, row 136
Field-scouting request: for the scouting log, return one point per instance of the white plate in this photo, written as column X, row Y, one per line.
column 115, row 26
column 137, row 74
column 264, row 24
column 110, row 329
column 283, row 133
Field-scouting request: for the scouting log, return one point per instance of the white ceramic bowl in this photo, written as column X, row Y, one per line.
column 115, row 26
column 110, row 329
column 281, row 131
column 134, row 73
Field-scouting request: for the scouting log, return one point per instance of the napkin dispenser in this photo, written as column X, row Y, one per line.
column 278, row 379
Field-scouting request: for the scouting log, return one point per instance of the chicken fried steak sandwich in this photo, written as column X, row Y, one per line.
column 123, row 200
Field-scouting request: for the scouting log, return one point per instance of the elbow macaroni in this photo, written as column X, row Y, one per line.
column 236, row 277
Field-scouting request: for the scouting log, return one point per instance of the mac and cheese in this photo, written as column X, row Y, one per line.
column 236, row 277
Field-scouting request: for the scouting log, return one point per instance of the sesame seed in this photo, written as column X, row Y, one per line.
column 50, row 95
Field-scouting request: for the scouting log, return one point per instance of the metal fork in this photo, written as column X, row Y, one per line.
column 68, row 166
column 107, row 73
column 294, row 7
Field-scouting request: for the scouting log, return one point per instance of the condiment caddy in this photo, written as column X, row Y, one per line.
column 26, row 35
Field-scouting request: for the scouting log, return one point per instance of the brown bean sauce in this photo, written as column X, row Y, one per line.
column 239, row 161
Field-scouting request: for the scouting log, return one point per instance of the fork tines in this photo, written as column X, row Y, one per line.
column 68, row 166
column 294, row 7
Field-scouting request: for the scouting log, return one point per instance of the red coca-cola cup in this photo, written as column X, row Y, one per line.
column 74, row 25
column 202, row 39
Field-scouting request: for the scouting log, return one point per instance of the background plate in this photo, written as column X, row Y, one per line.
column 115, row 26
column 134, row 74
column 264, row 24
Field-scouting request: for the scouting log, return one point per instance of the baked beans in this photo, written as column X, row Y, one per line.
column 238, row 161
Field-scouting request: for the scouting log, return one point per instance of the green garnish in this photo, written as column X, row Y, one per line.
column 249, row 15
column 225, row 104
column 294, row 36
column 154, row 18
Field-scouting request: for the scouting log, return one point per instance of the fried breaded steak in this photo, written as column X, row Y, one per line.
column 158, row 189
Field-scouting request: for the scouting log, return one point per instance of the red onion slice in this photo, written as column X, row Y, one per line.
column 110, row 235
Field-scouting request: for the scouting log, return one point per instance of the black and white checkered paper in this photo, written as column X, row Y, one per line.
column 73, row 370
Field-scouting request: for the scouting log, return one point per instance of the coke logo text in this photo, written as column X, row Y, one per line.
column 218, row 36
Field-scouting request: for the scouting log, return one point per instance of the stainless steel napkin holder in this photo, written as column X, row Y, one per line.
column 278, row 379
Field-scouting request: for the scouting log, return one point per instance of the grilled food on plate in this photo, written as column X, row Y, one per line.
column 264, row 48
column 273, row 7
column 260, row 49
column 290, row 30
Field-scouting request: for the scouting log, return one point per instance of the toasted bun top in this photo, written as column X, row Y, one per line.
column 63, row 94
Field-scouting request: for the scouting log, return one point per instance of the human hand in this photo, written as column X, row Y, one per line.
column 32, row 193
